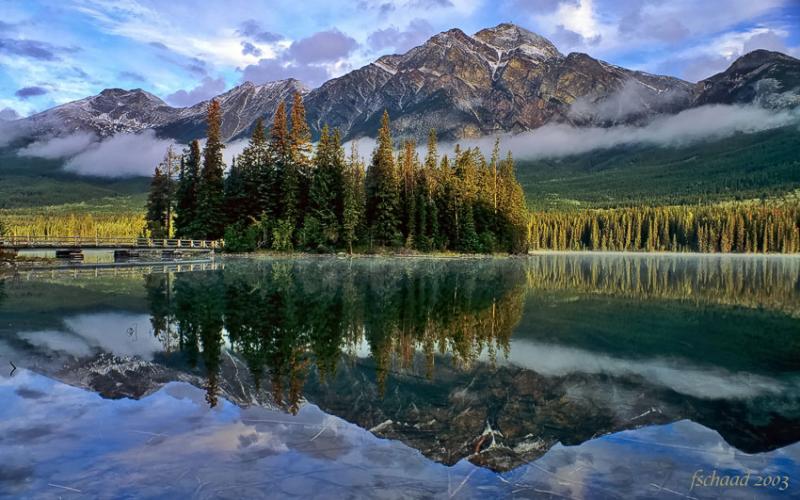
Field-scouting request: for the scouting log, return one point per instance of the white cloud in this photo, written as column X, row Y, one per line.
column 59, row 147
column 678, row 375
column 716, row 54
column 703, row 123
column 124, row 155
column 206, row 89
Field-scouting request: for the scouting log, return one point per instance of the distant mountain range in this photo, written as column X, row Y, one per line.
column 501, row 79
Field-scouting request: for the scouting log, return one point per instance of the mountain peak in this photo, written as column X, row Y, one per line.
column 771, row 79
column 122, row 96
column 509, row 36
column 758, row 57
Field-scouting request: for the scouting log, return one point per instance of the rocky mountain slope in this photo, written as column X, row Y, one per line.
column 501, row 79
column 241, row 107
column 768, row 78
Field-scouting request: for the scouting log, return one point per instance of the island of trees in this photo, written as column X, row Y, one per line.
column 282, row 193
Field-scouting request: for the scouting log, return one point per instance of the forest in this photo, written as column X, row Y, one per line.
column 740, row 228
column 282, row 193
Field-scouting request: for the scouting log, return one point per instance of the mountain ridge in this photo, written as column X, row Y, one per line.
column 503, row 79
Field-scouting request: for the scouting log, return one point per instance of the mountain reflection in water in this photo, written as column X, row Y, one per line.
column 491, row 360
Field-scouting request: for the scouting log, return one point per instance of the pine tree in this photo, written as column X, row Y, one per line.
column 211, row 213
column 430, row 190
column 301, row 162
column 186, row 196
column 273, row 192
column 161, row 199
column 466, row 191
column 326, row 192
column 255, row 170
column 512, row 209
column 236, row 198
column 382, row 190
column 158, row 204
column 448, row 204
column 409, row 165
column 353, row 199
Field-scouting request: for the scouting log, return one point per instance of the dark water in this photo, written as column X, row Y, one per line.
column 555, row 376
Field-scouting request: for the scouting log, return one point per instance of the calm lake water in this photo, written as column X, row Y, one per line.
column 553, row 376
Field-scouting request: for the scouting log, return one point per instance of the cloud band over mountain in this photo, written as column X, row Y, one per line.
column 130, row 155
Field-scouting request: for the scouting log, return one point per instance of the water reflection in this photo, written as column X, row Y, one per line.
column 492, row 360
column 58, row 441
column 282, row 317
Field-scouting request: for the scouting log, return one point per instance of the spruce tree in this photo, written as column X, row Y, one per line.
column 211, row 213
column 282, row 193
column 186, row 196
column 236, row 198
column 430, row 188
column 272, row 191
column 448, row 215
column 382, row 191
column 466, row 192
column 161, row 200
column 408, row 196
column 512, row 209
column 301, row 162
column 353, row 199
column 325, row 203
column 157, row 204
column 255, row 170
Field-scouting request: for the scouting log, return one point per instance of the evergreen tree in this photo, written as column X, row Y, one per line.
column 326, row 195
column 255, row 170
column 161, row 198
column 235, row 196
column 466, row 192
column 158, row 201
column 272, row 190
column 512, row 209
column 448, row 203
column 382, row 191
column 409, row 165
column 430, row 192
column 353, row 199
column 211, row 213
column 301, row 162
column 186, row 203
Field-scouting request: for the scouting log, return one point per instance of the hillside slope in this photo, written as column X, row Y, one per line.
column 740, row 167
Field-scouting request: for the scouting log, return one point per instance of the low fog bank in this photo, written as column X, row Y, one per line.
column 122, row 155
column 706, row 123
column 118, row 156
column 129, row 155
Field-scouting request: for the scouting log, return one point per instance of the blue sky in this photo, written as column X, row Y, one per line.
column 53, row 52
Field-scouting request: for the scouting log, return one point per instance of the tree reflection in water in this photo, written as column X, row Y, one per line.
column 285, row 317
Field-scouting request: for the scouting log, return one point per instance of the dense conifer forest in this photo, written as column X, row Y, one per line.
column 741, row 228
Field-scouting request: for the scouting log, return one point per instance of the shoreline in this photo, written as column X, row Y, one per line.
column 9, row 267
column 663, row 254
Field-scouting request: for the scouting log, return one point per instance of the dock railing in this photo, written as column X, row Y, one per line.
column 17, row 241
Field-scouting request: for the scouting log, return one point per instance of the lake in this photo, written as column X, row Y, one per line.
column 551, row 376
